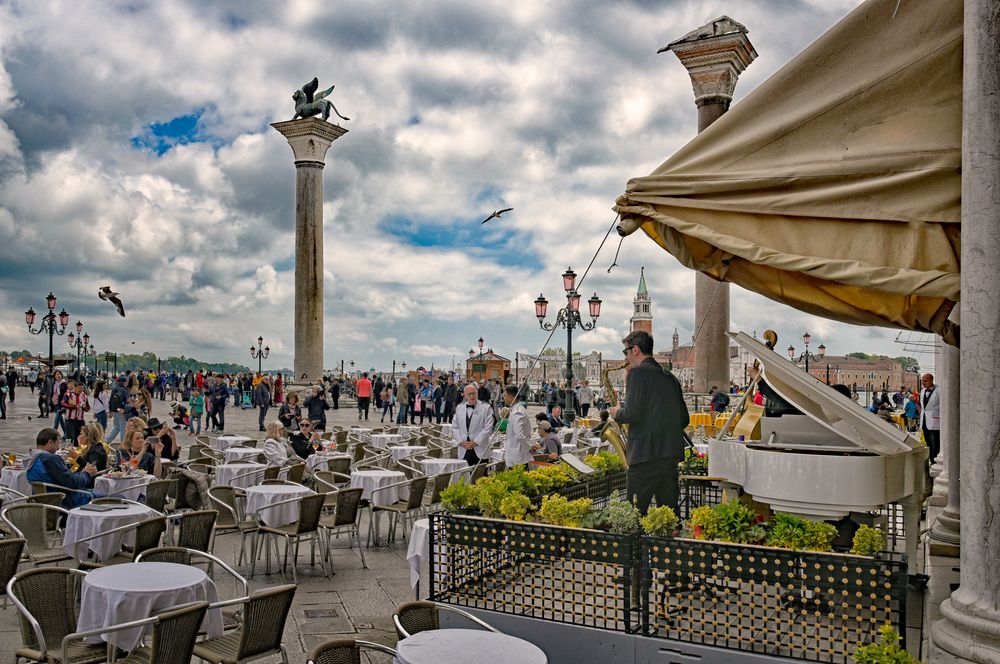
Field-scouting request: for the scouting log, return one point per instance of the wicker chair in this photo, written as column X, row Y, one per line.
column 271, row 473
column 346, row 517
column 195, row 530
column 441, row 483
column 413, row 617
column 401, row 509
column 156, row 494
column 341, row 438
column 250, row 443
column 344, row 651
column 174, row 634
column 46, row 600
column 29, row 521
column 11, row 549
column 230, row 520
column 264, row 616
column 204, row 440
column 296, row 472
column 478, row 472
column 197, row 450
column 306, row 527
column 147, row 536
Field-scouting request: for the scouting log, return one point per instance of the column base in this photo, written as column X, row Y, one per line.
column 966, row 633
column 945, row 536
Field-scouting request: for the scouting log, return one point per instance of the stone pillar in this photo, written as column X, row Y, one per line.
column 715, row 55
column 946, row 529
column 309, row 139
column 970, row 628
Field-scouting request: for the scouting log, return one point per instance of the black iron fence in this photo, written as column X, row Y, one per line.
column 601, row 489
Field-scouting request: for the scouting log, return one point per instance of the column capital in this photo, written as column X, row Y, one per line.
column 715, row 55
column 309, row 139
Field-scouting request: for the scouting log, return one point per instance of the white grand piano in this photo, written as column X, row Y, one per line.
column 833, row 460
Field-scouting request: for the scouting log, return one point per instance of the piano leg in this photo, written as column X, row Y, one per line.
column 911, row 526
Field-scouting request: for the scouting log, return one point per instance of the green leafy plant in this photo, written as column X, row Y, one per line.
column 695, row 462
column 704, row 523
column 886, row 651
column 550, row 478
column 868, row 541
column 819, row 536
column 490, row 492
column 559, row 511
column 605, row 462
column 458, row 497
column 515, row 506
column 659, row 521
column 622, row 517
column 786, row 531
column 738, row 523
column 516, row 480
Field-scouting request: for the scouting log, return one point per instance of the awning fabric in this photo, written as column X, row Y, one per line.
column 835, row 186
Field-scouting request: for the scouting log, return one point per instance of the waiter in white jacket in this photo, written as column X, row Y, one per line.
column 471, row 426
column 517, row 446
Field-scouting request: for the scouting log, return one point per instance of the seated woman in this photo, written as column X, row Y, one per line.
column 171, row 449
column 47, row 466
column 550, row 445
column 276, row 449
column 91, row 448
column 142, row 453
column 302, row 441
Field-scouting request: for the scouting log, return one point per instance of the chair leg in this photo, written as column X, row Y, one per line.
column 361, row 550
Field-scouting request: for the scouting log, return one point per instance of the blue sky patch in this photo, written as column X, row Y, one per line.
column 495, row 243
column 161, row 136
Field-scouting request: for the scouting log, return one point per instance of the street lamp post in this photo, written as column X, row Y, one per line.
column 806, row 355
column 49, row 324
column 569, row 317
column 79, row 342
column 259, row 354
column 394, row 371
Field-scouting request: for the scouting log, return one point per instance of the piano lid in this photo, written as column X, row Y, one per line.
column 825, row 405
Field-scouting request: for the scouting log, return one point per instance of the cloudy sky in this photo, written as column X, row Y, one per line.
column 135, row 151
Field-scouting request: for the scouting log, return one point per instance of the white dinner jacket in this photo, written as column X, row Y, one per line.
column 930, row 415
column 517, row 446
column 478, row 430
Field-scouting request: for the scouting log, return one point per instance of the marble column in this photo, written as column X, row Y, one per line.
column 309, row 138
column 970, row 628
column 946, row 528
column 715, row 55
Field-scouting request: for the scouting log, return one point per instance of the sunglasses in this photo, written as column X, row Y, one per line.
column 626, row 350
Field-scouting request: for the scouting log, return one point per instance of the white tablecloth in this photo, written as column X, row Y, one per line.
column 369, row 480
column 438, row 466
column 419, row 549
column 259, row 497
column 476, row 645
column 403, row 451
column 496, row 455
column 234, row 454
column 383, row 440
column 82, row 522
column 239, row 475
column 225, row 442
column 318, row 461
column 134, row 591
column 16, row 479
column 130, row 488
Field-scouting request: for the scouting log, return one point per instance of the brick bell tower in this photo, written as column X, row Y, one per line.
column 641, row 319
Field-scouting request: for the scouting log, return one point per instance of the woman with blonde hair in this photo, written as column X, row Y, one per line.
column 91, row 448
column 277, row 450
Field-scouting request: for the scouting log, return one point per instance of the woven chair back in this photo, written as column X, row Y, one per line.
column 340, row 465
column 156, row 494
column 296, row 473
column 416, row 498
column 196, row 529
column 310, row 509
column 174, row 634
column 167, row 554
column 30, row 519
column 417, row 617
column 264, row 619
column 337, row 651
column 348, row 501
column 49, row 594
column 227, row 497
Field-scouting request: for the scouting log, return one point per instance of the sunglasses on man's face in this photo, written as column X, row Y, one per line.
column 626, row 350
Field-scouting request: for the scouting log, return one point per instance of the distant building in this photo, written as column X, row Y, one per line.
column 642, row 318
column 487, row 366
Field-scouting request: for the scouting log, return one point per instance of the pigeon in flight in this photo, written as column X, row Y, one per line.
column 496, row 215
column 107, row 294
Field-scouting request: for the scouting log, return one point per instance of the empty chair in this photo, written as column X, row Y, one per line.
column 46, row 601
column 230, row 519
column 29, row 521
column 11, row 549
column 147, row 536
column 439, row 484
column 413, row 617
column 249, row 443
column 478, row 472
column 340, row 465
column 204, row 440
column 306, row 527
column 271, row 473
column 340, row 438
column 174, row 633
column 401, row 509
column 156, row 494
column 264, row 616
column 346, row 517
column 195, row 529
column 344, row 651
column 296, row 472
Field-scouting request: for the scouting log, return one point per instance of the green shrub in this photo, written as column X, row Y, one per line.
column 738, row 523
column 517, row 480
column 786, row 531
column 515, row 506
column 659, row 522
column 559, row 511
column 887, row 651
column 622, row 517
column 605, row 462
column 458, row 497
column 819, row 536
column 550, row 478
column 704, row 523
column 490, row 492
column 868, row 541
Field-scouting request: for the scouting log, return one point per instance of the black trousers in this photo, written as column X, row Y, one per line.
column 655, row 478
column 471, row 457
column 363, row 406
column 933, row 438
column 260, row 418
column 585, row 408
column 449, row 411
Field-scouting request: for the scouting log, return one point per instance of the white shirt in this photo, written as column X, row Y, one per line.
column 480, row 424
column 517, row 446
column 101, row 402
column 586, row 395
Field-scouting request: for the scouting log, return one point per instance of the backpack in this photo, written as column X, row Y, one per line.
column 723, row 399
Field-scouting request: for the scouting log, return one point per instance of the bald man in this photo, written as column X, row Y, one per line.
column 471, row 426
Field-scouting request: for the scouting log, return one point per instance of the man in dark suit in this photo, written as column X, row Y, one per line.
column 657, row 416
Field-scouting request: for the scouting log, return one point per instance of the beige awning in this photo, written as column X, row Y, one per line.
column 835, row 186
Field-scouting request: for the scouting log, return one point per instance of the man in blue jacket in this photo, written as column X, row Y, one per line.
column 46, row 466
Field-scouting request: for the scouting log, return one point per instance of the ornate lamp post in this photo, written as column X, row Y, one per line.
column 806, row 355
column 48, row 325
column 259, row 353
column 79, row 342
column 569, row 317
column 394, row 371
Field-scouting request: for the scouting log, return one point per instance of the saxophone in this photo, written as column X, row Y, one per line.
column 613, row 432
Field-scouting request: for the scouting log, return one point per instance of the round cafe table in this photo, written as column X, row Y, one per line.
column 440, row 645
column 369, row 480
column 85, row 521
column 384, row 440
column 237, row 454
column 134, row 591
column 225, row 442
column 15, row 478
column 403, row 451
column 260, row 497
column 318, row 460
column 239, row 475
column 130, row 488
column 439, row 466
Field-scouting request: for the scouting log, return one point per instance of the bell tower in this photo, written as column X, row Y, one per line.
column 642, row 319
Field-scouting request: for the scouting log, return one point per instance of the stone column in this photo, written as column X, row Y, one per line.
column 946, row 529
column 309, row 139
column 970, row 628
column 715, row 55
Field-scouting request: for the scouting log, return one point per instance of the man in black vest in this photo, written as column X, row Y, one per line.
column 657, row 416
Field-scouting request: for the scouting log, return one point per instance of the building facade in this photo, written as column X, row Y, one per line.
column 642, row 316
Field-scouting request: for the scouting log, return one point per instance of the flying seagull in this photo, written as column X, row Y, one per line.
column 496, row 214
column 107, row 294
